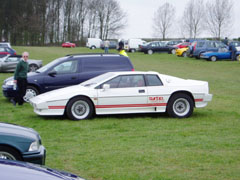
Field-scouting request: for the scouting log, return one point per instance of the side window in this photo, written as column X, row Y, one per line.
column 200, row 44
column 126, row 81
column 67, row 67
column 2, row 49
column 211, row 45
column 13, row 59
column 153, row 80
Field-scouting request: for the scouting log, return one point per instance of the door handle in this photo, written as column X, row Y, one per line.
column 73, row 77
column 141, row 91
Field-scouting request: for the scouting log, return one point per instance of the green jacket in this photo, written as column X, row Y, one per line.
column 21, row 70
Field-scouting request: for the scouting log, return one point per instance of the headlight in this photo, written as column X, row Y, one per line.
column 9, row 83
column 34, row 146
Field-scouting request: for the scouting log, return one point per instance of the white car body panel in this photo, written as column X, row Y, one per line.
column 147, row 99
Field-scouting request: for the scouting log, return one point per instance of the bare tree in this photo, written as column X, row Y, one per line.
column 219, row 17
column 163, row 19
column 192, row 20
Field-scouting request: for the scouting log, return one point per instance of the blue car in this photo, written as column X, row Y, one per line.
column 16, row 170
column 67, row 71
column 214, row 56
column 21, row 143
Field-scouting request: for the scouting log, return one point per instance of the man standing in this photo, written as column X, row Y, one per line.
column 106, row 46
column 20, row 79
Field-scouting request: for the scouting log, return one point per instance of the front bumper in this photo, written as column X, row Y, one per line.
column 38, row 157
column 8, row 91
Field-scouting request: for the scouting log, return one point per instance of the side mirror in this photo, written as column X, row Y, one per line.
column 52, row 73
column 106, row 86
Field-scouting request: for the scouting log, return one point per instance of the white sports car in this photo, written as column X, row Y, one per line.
column 125, row 92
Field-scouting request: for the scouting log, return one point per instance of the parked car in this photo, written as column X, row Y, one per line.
column 133, row 44
column 93, row 43
column 182, row 52
column 5, row 44
column 9, row 63
column 4, row 51
column 124, row 93
column 21, row 143
column 221, row 54
column 112, row 45
column 174, row 42
column 68, row 45
column 17, row 170
column 182, row 45
column 68, row 70
column 156, row 46
column 201, row 46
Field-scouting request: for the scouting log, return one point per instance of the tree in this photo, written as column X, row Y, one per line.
column 163, row 19
column 192, row 20
column 219, row 17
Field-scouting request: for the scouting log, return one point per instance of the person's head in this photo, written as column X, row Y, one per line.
column 25, row 56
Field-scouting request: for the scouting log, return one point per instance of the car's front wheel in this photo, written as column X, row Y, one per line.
column 180, row 105
column 30, row 93
column 80, row 108
column 184, row 54
column 9, row 153
column 213, row 58
column 173, row 51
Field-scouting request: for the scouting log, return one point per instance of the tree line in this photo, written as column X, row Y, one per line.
column 214, row 17
column 40, row 22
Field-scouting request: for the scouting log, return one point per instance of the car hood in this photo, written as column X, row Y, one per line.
column 15, row 130
column 29, row 75
column 12, row 170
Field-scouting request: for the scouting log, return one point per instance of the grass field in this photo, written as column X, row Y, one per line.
column 205, row 146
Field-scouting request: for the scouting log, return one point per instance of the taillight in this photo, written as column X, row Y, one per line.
column 133, row 70
column 15, row 53
column 194, row 47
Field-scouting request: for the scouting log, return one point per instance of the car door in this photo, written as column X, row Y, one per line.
column 10, row 64
column 62, row 75
column 158, row 94
column 127, row 94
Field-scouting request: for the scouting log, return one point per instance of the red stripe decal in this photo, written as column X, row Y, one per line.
column 198, row 100
column 130, row 105
column 56, row 107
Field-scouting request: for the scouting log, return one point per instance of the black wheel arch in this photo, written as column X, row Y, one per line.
column 13, row 148
column 35, row 86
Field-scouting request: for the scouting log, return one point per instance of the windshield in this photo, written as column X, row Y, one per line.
column 47, row 66
column 97, row 79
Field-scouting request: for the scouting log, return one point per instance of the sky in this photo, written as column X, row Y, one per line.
column 140, row 17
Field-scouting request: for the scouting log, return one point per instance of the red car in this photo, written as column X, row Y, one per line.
column 68, row 44
column 183, row 45
column 4, row 51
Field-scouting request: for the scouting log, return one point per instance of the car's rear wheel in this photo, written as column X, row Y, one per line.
column 238, row 58
column 9, row 153
column 33, row 67
column 180, row 106
column 213, row 58
column 133, row 50
column 80, row 108
column 150, row 51
column 184, row 54
column 93, row 47
column 173, row 51
column 30, row 93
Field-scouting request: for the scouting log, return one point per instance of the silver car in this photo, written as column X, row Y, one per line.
column 9, row 63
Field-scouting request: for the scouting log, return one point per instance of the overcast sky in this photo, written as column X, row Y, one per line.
column 140, row 17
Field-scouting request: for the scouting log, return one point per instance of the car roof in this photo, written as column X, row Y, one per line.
column 95, row 55
column 132, row 72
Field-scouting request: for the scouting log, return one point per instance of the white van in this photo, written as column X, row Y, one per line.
column 133, row 44
column 93, row 43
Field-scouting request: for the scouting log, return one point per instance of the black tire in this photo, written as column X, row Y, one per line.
column 80, row 108
column 213, row 58
column 9, row 153
column 93, row 47
column 31, row 92
column 238, row 58
column 133, row 50
column 180, row 105
column 150, row 51
column 33, row 67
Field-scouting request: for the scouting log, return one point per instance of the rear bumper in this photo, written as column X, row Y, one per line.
column 36, row 158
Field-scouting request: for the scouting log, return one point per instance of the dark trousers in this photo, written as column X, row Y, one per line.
column 21, row 90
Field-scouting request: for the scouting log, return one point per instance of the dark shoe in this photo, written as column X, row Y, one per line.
column 13, row 102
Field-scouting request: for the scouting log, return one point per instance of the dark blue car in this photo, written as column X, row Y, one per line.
column 16, row 170
column 67, row 71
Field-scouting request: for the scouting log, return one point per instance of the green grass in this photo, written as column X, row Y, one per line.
column 205, row 146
